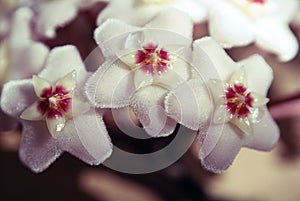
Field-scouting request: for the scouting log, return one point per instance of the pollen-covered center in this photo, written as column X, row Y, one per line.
column 152, row 59
column 238, row 101
column 54, row 103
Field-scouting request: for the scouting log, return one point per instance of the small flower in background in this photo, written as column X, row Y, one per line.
column 141, row 66
column 20, row 55
column 143, row 11
column 240, row 117
column 56, row 95
column 235, row 23
column 51, row 15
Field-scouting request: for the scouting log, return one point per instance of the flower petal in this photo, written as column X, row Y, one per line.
column 167, row 17
column 28, row 56
column 40, row 84
column 211, row 60
column 86, row 137
column 217, row 90
column 110, row 36
column 221, row 115
column 229, row 26
column 61, row 61
column 147, row 104
column 111, row 85
column 54, row 14
column 68, row 81
column 244, row 124
column 189, row 104
column 257, row 82
column 223, row 153
column 266, row 134
column 38, row 149
column 142, row 79
column 239, row 77
column 55, row 126
column 128, row 57
column 139, row 14
column 282, row 42
column 196, row 10
column 259, row 100
column 32, row 113
column 22, row 97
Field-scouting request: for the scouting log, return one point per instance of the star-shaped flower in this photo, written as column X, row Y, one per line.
column 143, row 11
column 226, row 104
column 265, row 22
column 55, row 114
column 142, row 64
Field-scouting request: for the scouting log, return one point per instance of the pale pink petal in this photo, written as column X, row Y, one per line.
column 222, row 154
column 211, row 60
column 190, row 104
column 17, row 96
column 257, row 82
column 111, row 85
column 281, row 42
column 37, row 149
column 86, row 137
column 167, row 17
column 148, row 105
column 62, row 61
column 230, row 26
column 266, row 134
column 54, row 14
column 111, row 36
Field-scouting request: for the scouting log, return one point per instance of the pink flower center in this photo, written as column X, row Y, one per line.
column 152, row 59
column 238, row 101
column 258, row 1
column 54, row 103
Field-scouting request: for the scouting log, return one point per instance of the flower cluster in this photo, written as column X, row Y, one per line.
column 149, row 62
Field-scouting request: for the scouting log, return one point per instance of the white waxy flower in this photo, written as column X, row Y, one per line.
column 235, row 23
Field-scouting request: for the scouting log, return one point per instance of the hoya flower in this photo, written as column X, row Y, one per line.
column 20, row 55
column 142, row 64
column 55, row 114
column 231, row 95
column 263, row 22
column 140, row 12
